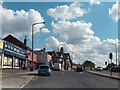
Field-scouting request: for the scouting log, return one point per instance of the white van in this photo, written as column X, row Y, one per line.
column 57, row 66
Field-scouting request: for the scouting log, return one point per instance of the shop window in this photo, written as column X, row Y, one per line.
column 16, row 63
column 7, row 61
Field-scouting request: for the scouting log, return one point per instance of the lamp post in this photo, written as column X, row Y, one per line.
column 60, row 45
column 33, row 39
column 115, row 50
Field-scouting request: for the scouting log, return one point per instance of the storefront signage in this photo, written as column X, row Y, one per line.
column 1, row 44
column 17, row 51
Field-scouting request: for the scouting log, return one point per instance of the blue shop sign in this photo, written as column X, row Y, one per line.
column 14, row 50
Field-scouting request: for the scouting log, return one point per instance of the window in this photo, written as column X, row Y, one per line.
column 16, row 63
column 7, row 61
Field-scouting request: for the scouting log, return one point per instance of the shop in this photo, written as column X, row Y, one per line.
column 14, row 56
column 34, row 62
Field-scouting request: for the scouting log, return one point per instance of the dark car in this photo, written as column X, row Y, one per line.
column 79, row 69
column 44, row 70
column 115, row 69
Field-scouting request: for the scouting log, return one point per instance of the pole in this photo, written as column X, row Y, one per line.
column 115, row 50
column 116, row 53
column 110, row 67
column 32, row 48
column 31, row 69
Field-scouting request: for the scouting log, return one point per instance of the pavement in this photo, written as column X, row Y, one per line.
column 16, row 78
column 109, row 75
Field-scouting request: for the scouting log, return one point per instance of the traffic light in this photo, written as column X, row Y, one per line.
column 110, row 56
column 105, row 63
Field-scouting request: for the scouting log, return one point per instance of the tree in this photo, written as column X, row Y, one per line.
column 88, row 64
column 110, row 65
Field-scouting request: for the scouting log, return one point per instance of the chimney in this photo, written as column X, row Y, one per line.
column 25, row 41
column 44, row 49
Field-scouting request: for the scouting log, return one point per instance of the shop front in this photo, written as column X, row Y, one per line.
column 34, row 62
column 14, row 57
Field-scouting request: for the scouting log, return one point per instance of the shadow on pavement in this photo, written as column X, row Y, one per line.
column 33, row 74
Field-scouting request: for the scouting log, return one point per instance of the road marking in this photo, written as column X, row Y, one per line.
column 26, row 83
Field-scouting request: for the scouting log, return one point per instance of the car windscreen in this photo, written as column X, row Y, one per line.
column 44, row 67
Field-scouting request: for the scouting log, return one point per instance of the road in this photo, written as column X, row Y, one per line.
column 71, row 79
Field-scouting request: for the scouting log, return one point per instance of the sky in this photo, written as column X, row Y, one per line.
column 85, row 28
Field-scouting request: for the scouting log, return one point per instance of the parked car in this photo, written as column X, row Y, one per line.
column 99, row 69
column 79, row 69
column 115, row 69
column 44, row 70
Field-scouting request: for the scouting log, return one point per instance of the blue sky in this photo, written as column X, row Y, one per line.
column 103, row 26
column 96, row 20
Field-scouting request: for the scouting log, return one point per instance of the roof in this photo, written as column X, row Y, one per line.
column 17, row 42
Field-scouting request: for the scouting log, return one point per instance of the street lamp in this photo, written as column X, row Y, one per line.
column 33, row 39
column 60, row 45
column 115, row 50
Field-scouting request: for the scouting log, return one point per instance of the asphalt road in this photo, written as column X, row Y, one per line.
column 71, row 79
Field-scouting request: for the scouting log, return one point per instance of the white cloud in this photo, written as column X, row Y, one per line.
column 20, row 22
column 73, row 32
column 65, row 12
column 45, row 30
column 114, row 12
column 79, row 37
column 94, row 2
column 37, row 49
column 52, row 43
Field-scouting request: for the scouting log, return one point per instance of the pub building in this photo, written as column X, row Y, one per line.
column 12, row 56
column 25, row 52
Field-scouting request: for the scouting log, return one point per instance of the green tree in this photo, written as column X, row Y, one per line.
column 110, row 65
column 89, row 64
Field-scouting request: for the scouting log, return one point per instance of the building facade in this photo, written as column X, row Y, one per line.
column 12, row 56
column 16, row 54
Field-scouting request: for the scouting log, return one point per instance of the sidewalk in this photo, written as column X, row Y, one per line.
column 13, row 78
column 104, row 74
